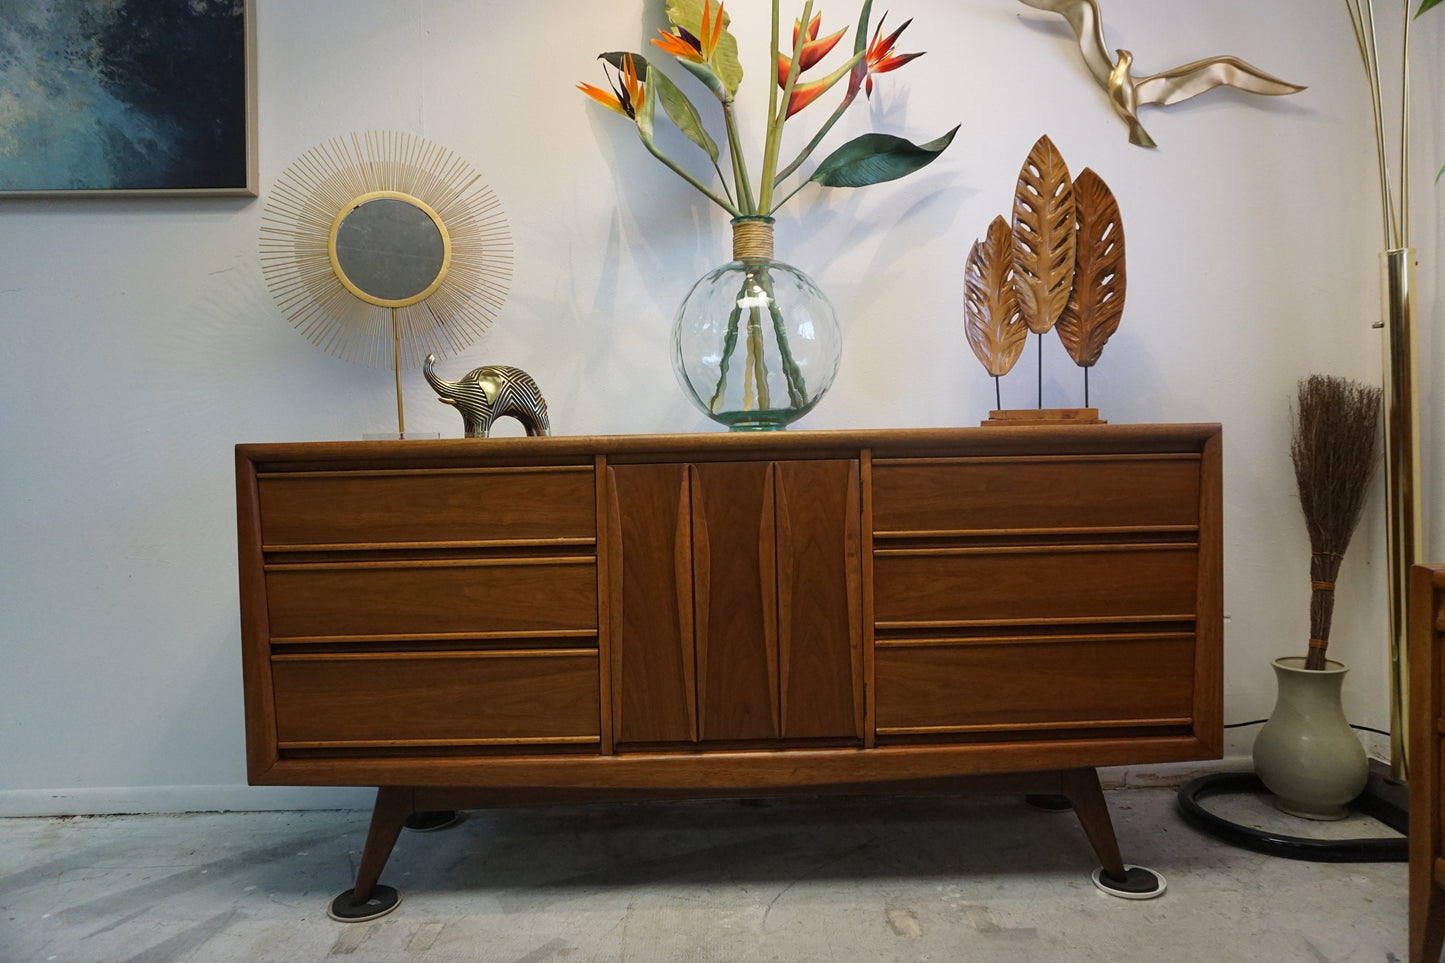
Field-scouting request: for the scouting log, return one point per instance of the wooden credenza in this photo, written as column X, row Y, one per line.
column 486, row 622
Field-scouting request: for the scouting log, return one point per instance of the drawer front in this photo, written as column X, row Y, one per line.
column 459, row 505
column 1059, row 583
column 987, row 494
column 1135, row 681
column 387, row 700
column 368, row 599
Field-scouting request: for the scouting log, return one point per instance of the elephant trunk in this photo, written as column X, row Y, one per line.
column 446, row 389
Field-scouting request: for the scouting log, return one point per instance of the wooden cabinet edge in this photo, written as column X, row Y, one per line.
column 735, row 772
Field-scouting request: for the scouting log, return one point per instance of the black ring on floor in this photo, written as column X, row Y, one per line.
column 1364, row 850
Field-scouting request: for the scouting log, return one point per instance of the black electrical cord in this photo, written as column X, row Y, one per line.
column 1257, row 722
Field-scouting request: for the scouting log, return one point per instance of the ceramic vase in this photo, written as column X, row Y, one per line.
column 755, row 345
column 1307, row 754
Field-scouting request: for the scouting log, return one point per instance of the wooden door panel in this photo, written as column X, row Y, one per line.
column 1055, row 583
column 735, row 587
column 1048, row 492
column 820, row 643
column 654, row 693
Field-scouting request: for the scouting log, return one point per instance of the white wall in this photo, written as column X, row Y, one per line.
column 140, row 343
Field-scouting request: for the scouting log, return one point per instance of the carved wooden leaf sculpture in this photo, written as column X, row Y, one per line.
column 1097, row 304
column 1043, row 227
column 996, row 331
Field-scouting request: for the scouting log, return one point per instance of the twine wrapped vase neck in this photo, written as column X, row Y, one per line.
column 752, row 238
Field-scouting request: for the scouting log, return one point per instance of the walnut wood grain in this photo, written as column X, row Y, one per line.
column 737, row 648
column 785, row 566
column 384, row 698
column 654, row 695
column 1086, row 581
column 1053, row 493
column 768, row 591
column 1209, row 601
column 1069, row 681
column 1129, row 555
column 605, row 560
column 365, row 598
column 866, row 528
column 261, row 751
column 822, row 627
column 1426, row 748
column 425, row 506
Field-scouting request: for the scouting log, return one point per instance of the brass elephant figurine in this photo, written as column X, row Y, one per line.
column 493, row 391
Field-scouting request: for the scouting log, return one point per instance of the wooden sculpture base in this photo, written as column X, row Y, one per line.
column 1022, row 417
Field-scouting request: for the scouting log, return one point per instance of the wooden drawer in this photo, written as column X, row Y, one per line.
column 458, row 505
column 371, row 599
column 1055, row 492
column 1085, row 582
column 1041, row 684
column 453, row 699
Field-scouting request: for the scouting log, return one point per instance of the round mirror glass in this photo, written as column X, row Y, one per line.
column 390, row 250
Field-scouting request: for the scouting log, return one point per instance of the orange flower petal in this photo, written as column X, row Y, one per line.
column 603, row 97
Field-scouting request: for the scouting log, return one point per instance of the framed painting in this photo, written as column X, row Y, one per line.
column 127, row 97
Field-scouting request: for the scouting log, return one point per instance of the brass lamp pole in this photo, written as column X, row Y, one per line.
column 1397, row 306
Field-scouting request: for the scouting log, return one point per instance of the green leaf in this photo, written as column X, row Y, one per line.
column 645, row 112
column 704, row 73
column 614, row 57
column 875, row 158
column 687, row 14
column 681, row 110
column 1426, row 5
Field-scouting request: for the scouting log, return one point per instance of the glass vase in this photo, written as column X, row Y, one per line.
column 755, row 344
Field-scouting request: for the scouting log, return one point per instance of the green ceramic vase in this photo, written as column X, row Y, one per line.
column 1307, row 754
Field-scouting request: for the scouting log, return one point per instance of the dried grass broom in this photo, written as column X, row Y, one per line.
column 1334, row 447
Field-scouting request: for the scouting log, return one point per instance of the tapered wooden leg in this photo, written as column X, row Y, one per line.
column 368, row 900
column 1082, row 788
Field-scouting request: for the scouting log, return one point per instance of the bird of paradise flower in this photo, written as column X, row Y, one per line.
column 699, row 42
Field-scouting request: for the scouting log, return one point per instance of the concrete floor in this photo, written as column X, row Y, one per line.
column 984, row 878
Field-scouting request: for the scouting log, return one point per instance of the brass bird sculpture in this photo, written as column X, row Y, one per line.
column 1128, row 93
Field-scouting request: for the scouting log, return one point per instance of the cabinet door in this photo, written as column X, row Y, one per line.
column 735, row 600
column 820, row 614
column 737, row 612
column 654, row 667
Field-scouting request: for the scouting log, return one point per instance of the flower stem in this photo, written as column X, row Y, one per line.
column 707, row 192
column 813, row 144
column 778, row 114
column 755, row 352
column 730, row 343
column 740, row 163
column 797, row 389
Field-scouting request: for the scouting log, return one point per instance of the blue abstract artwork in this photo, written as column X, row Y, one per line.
column 125, row 95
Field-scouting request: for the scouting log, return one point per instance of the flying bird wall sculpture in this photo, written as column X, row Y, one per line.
column 1127, row 93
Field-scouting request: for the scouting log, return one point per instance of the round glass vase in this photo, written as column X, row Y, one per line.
column 755, row 344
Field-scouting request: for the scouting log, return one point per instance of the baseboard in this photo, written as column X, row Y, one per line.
column 179, row 799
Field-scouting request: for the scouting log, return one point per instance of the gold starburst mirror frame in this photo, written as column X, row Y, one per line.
column 382, row 246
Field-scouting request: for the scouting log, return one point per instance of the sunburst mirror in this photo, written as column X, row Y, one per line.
column 383, row 246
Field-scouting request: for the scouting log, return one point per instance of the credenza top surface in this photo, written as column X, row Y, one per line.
column 882, row 442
